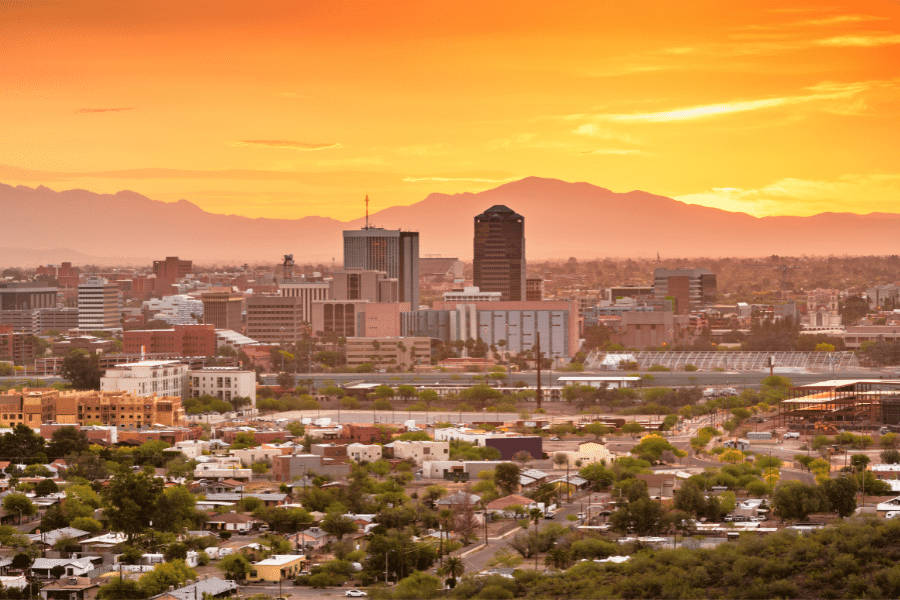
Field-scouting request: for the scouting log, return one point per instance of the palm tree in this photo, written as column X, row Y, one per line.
column 559, row 459
column 453, row 568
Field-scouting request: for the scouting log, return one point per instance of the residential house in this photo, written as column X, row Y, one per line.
column 501, row 506
column 208, row 588
column 71, row 588
column 73, row 567
column 312, row 539
column 234, row 522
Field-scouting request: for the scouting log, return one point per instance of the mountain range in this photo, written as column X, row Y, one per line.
column 562, row 219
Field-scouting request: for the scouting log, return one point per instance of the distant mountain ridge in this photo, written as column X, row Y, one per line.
column 562, row 219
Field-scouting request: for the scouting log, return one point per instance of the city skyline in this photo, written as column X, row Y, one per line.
column 300, row 110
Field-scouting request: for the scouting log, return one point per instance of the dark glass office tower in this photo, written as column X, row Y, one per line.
column 499, row 253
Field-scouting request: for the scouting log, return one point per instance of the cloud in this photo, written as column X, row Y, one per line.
column 291, row 144
column 457, row 179
column 819, row 92
column 613, row 151
column 861, row 40
column 86, row 111
column 803, row 197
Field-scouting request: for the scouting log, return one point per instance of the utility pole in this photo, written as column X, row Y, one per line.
column 539, row 394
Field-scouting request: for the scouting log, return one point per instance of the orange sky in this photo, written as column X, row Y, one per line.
column 287, row 109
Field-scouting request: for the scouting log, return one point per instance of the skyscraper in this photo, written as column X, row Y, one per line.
column 499, row 254
column 390, row 250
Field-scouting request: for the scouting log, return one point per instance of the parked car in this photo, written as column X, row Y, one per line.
column 355, row 594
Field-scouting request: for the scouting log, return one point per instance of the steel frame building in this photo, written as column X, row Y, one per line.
column 842, row 403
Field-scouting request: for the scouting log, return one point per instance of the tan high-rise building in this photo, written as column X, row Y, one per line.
column 223, row 309
column 276, row 319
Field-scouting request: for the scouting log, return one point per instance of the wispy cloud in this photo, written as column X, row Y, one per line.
column 820, row 92
column 613, row 151
column 457, row 179
column 805, row 196
column 861, row 40
column 291, row 144
column 86, row 111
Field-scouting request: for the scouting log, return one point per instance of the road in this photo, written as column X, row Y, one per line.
column 289, row 590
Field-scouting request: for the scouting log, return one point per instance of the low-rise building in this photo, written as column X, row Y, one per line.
column 364, row 453
column 292, row 466
column 397, row 353
column 232, row 521
column 147, row 378
column 277, row 568
column 420, row 451
column 225, row 383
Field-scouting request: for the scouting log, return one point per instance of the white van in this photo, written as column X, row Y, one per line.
column 792, row 435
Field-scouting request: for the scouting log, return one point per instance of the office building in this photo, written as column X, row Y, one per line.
column 357, row 318
column 181, row 340
column 169, row 271
column 224, row 310
column 147, row 378
column 26, row 296
column 471, row 294
column 65, row 275
column 512, row 326
column 225, row 383
column 394, row 353
column 390, row 250
column 499, row 253
column 177, row 309
column 276, row 319
column 689, row 288
column 57, row 319
column 534, row 289
column 16, row 347
column 358, row 284
column 99, row 305
column 307, row 291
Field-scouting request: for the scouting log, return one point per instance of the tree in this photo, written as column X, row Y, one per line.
column 285, row 380
column 598, row 430
column 598, row 474
column 523, row 457
column 131, row 500
column 23, row 444
column 45, row 487
column 176, row 510
column 418, row 585
column 338, row 525
column 841, row 495
column 173, row 573
column 888, row 440
column 506, row 476
column 235, row 566
column 795, row 500
column 453, row 568
column 117, row 589
column 890, row 456
column 859, row 462
column 17, row 503
column 82, row 370
column 642, row 516
column 652, row 446
column 67, row 441
column 632, row 428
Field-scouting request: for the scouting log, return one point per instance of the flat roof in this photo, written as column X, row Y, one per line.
column 596, row 378
column 836, row 383
column 150, row 363
column 280, row 559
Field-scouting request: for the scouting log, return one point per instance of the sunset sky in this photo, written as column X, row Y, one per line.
column 295, row 108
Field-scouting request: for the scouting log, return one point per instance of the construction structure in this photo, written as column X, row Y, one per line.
column 832, row 405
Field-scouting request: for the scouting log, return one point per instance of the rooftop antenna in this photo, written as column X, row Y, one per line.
column 367, row 211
